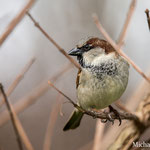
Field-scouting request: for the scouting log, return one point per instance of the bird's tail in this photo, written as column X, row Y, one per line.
column 74, row 120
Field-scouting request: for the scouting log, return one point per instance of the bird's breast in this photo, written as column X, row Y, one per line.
column 99, row 86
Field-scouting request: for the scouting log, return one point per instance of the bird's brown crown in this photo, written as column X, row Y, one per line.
column 96, row 42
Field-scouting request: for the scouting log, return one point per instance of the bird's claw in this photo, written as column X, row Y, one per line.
column 111, row 109
column 109, row 117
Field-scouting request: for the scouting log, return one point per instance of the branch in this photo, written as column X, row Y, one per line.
column 52, row 41
column 100, row 115
column 17, row 80
column 51, row 124
column 21, row 131
column 122, row 106
column 15, row 21
column 33, row 96
column 126, row 24
column 99, row 132
column 118, row 50
column 132, row 132
column 148, row 17
column 12, row 117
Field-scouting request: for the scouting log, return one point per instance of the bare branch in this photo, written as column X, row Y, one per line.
column 22, row 133
column 52, row 41
column 12, row 118
column 87, row 146
column 119, row 51
column 148, row 17
column 33, row 96
column 126, row 24
column 97, row 145
column 51, row 124
column 17, row 80
column 100, row 115
column 122, row 106
column 133, row 131
column 15, row 21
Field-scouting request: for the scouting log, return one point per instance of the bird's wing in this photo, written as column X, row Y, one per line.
column 78, row 77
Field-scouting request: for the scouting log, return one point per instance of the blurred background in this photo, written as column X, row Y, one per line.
column 67, row 22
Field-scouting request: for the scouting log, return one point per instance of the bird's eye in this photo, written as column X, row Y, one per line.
column 86, row 47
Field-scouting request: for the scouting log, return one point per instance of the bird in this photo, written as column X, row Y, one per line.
column 101, row 79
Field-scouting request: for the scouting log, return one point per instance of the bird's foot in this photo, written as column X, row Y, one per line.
column 109, row 118
column 111, row 109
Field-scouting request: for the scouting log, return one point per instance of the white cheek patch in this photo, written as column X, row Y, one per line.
column 102, row 58
column 90, row 56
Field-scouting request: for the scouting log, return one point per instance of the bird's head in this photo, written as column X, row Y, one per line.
column 91, row 48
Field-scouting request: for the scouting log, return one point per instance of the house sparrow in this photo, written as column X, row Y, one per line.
column 102, row 79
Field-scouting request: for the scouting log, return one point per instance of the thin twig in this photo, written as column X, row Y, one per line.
column 17, row 80
column 118, row 50
column 21, row 131
column 51, row 124
column 15, row 21
column 97, row 145
column 126, row 24
column 53, row 41
column 33, row 96
column 12, row 118
column 139, row 93
column 122, row 106
column 132, row 132
column 100, row 115
column 148, row 17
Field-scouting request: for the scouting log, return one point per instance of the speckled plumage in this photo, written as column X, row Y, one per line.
column 103, row 79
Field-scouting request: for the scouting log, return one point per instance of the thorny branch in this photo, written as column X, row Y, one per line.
column 12, row 117
column 148, row 17
column 100, row 115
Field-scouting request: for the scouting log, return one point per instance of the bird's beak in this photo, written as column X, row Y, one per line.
column 75, row 52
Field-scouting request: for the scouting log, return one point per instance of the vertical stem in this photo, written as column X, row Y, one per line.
column 12, row 117
column 148, row 17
